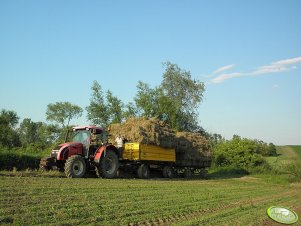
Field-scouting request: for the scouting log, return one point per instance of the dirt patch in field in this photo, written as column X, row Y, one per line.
column 246, row 178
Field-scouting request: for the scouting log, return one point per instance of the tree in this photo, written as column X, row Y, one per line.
column 216, row 138
column 186, row 94
column 97, row 111
column 272, row 150
column 63, row 112
column 28, row 132
column 8, row 135
column 103, row 111
column 131, row 111
column 146, row 100
column 115, row 108
column 175, row 101
column 54, row 134
column 34, row 133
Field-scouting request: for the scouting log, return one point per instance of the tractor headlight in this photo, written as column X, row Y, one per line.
column 54, row 153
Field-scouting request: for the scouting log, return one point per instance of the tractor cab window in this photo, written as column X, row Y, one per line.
column 81, row 136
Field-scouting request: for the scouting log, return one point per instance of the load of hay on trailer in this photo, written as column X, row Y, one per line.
column 192, row 149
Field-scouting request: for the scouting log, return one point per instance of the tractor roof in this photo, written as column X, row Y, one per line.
column 98, row 129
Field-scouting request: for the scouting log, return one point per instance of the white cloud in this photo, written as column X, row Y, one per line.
column 269, row 69
column 278, row 66
column 224, row 77
column 224, row 68
column 289, row 61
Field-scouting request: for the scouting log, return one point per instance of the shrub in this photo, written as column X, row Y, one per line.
column 27, row 158
column 240, row 153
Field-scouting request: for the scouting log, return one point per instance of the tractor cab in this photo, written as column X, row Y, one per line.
column 91, row 137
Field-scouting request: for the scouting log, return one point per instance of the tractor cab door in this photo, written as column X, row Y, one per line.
column 86, row 143
column 82, row 136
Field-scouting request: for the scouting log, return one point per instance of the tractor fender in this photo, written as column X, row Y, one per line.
column 101, row 151
column 69, row 149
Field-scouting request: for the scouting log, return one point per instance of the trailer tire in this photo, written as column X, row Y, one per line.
column 203, row 173
column 143, row 171
column 75, row 167
column 168, row 172
column 108, row 166
column 187, row 173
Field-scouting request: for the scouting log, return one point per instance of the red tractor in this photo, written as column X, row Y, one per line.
column 87, row 150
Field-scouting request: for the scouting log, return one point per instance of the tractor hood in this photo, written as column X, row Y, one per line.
column 63, row 151
column 70, row 144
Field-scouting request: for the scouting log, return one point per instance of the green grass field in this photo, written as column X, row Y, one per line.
column 297, row 149
column 32, row 198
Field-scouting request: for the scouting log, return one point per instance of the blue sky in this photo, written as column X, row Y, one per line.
column 248, row 53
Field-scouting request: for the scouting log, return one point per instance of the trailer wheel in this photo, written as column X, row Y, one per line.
column 203, row 173
column 143, row 171
column 108, row 166
column 75, row 167
column 168, row 172
column 188, row 173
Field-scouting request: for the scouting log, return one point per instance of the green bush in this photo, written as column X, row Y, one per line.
column 20, row 161
column 21, row 158
column 240, row 153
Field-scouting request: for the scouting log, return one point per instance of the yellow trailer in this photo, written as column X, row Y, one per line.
column 142, row 158
column 146, row 152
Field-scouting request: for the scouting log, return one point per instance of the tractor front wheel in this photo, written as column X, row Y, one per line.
column 75, row 167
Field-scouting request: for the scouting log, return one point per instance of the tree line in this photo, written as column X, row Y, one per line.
column 175, row 101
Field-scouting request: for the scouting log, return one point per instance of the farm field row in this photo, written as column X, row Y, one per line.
column 61, row 201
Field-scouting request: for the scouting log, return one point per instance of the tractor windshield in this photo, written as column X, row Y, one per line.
column 81, row 136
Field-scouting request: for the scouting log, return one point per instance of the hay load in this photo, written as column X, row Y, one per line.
column 190, row 147
column 146, row 131
column 193, row 144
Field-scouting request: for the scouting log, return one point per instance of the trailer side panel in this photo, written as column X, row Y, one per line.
column 144, row 152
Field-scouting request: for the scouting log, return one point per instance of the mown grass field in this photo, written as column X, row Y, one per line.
column 49, row 200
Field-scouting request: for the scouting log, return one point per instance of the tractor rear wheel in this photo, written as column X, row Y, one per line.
column 168, row 172
column 143, row 171
column 108, row 166
column 75, row 167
